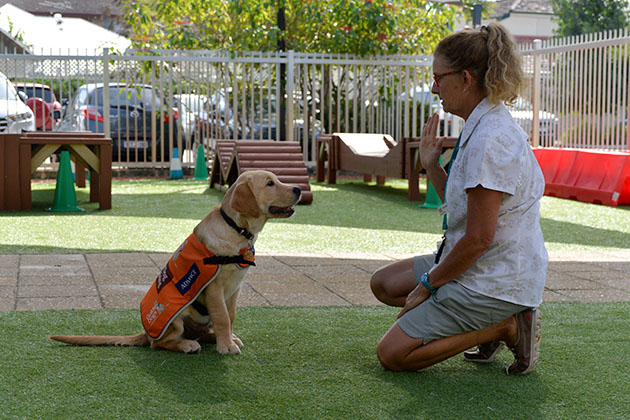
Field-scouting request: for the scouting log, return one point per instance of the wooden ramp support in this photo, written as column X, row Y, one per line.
column 22, row 154
column 223, row 152
column 285, row 159
column 374, row 154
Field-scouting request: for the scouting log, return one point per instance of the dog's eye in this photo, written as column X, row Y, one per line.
column 270, row 183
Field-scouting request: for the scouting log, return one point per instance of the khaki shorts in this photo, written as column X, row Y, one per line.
column 452, row 309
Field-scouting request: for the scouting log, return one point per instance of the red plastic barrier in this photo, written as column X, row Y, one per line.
column 584, row 175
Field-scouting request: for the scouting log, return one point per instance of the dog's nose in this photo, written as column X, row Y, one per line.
column 297, row 191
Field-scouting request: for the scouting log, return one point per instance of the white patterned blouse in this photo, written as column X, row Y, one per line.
column 495, row 154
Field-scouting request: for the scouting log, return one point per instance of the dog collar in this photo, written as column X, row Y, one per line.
column 246, row 233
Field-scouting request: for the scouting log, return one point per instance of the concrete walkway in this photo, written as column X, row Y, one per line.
column 119, row 280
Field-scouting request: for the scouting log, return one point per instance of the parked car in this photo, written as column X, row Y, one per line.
column 261, row 121
column 15, row 116
column 523, row 113
column 428, row 103
column 42, row 100
column 131, row 118
column 200, row 120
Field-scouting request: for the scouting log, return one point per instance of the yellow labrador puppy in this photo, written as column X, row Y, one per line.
column 193, row 299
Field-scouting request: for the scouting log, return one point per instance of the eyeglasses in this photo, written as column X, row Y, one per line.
column 437, row 77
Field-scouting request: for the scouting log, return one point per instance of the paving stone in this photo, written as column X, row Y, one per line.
column 361, row 299
column 362, row 257
column 7, row 305
column 249, row 297
column 560, row 280
column 575, row 267
column 309, row 260
column 55, row 280
column 126, row 275
column 122, row 295
column 52, row 259
column 270, row 265
column 7, row 292
column 159, row 259
column 9, row 261
column 56, row 291
column 9, row 271
column 118, row 259
column 618, row 266
column 115, row 280
column 269, row 283
column 554, row 296
column 54, row 270
column 369, row 267
column 599, row 295
column 8, row 281
column 37, row 304
column 622, row 283
column 304, row 299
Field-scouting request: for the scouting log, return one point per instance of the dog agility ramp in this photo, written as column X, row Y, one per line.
column 285, row 159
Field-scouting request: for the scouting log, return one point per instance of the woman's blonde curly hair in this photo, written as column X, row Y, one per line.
column 491, row 55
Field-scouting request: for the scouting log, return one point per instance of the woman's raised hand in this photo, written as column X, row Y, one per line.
column 430, row 145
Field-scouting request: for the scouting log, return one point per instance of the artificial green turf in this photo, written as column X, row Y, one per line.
column 155, row 215
column 308, row 363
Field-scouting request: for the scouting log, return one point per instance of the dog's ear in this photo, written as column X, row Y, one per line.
column 244, row 201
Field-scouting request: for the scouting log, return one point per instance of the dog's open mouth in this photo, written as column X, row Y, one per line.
column 281, row 211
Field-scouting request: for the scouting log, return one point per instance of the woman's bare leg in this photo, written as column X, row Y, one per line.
column 399, row 352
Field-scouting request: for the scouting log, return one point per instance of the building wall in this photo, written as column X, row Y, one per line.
column 529, row 26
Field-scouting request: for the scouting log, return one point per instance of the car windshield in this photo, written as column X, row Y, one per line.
column 140, row 97
column 37, row 92
column 7, row 91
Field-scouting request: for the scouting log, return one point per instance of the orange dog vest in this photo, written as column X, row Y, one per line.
column 186, row 274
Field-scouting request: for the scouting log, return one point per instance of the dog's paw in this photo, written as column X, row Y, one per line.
column 229, row 348
column 190, row 347
column 238, row 341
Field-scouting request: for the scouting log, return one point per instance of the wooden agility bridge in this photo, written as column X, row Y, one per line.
column 285, row 159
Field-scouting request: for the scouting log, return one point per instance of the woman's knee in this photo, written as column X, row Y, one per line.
column 377, row 284
column 388, row 357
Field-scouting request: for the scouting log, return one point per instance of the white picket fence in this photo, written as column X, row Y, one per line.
column 578, row 96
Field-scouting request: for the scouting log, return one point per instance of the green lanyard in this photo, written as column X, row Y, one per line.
column 448, row 173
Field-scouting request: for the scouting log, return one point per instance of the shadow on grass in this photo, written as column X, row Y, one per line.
column 440, row 392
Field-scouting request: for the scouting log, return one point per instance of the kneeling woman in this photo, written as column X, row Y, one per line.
column 484, row 284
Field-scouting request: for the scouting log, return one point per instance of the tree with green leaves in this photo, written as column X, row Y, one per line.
column 577, row 17
column 360, row 27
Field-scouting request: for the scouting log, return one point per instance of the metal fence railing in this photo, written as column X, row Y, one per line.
column 578, row 96
column 579, row 91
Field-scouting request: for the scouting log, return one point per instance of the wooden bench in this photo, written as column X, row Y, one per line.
column 23, row 154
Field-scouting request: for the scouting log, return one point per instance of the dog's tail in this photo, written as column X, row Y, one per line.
column 104, row 340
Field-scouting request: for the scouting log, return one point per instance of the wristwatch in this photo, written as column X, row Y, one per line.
column 425, row 282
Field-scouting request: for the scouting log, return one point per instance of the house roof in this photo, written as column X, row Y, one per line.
column 505, row 7
column 59, row 34
column 69, row 8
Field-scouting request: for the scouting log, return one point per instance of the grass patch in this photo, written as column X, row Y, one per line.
column 308, row 363
column 154, row 215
